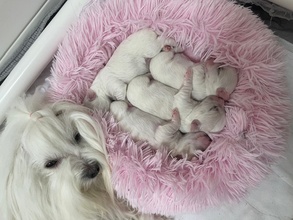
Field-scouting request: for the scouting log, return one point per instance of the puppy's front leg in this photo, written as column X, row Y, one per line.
column 185, row 91
column 183, row 101
column 165, row 133
column 117, row 89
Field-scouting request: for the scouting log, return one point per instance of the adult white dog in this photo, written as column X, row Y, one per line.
column 209, row 78
column 158, row 99
column 54, row 165
column 128, row 61
column 158, row 132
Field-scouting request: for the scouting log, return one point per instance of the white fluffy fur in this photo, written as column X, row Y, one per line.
column 78, row 186
column 158, row 99
column 209, row 78
column 127, row 62
column 144, row 126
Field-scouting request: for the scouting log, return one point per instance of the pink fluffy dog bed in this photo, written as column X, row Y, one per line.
column 257, row 113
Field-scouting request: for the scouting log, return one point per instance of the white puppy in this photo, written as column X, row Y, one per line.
column 127, row 62
column 207, row 115
column 209, row 78
column 158, row 99
column 144, row 126
column 54, row 165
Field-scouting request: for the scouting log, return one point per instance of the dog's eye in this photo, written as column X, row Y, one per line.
column 51, row 164
column 214, row 108
column 77, row 137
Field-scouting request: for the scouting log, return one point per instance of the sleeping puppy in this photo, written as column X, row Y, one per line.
column 207, row 115
column 209, row 78
column 128, row 61
column 158, row 99
column 144, row 126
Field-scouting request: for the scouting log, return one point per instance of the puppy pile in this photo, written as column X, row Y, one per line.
column 159, row 95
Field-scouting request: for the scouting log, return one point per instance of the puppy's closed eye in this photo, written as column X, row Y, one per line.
column 214, row 108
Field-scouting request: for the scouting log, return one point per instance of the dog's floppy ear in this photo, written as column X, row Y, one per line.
column 8, row 149
column 23, row 184
column 10, row 145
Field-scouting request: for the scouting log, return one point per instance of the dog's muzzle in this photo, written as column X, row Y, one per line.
column 91, row 170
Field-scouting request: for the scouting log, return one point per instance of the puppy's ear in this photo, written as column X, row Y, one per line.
column 195, row 125
column 222, row 93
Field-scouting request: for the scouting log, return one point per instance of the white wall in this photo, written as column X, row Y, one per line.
column 15, row 15
column 284, row 3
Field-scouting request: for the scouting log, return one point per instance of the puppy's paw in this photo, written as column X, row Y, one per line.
column 222, row 93
column 188, row 73
column 175, row 115
column 171, row 44
column 195, row 125
column 188, row 77
column 203, row 141
column 90, row 96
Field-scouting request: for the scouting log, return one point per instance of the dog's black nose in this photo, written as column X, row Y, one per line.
column 91, row 170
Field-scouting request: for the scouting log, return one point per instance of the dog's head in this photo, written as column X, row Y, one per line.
column 209, row 115
column 54, row 164
column 220, row 80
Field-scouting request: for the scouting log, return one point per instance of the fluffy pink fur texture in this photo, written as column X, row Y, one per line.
column 257, row 113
